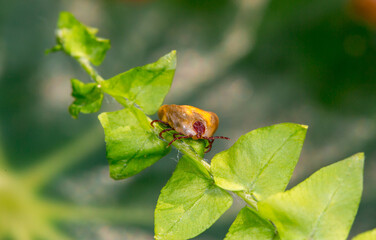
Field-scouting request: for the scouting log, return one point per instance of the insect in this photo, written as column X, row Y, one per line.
column 188, row 122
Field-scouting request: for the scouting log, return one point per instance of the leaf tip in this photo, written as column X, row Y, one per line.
column 358, row 156
column 171, row 59
column 74, row 116
column 65, row 13
column 115, row 176
column 53, row 49
column 65, row 16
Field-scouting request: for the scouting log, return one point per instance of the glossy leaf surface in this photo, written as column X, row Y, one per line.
column 262, row 161
column 146, row 86
column 323, row 206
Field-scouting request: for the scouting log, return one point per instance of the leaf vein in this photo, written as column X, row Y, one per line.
column 188, row 210
column 135, row 154
column 326, row 207
column 269, row 160
column 322, row 214
column 149, row 81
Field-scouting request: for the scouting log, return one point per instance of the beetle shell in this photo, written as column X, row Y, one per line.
column 183, row 117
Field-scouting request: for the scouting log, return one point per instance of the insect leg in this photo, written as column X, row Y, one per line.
column 218, row 137
column 177, row 138
column 152, row 122
column 176, row 134
column 211, row 140
column 165, row 130
column 210, row 145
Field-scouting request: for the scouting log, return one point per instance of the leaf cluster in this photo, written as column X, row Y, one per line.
column 257, row 167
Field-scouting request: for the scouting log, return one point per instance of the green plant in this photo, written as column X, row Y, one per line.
column 257, row 167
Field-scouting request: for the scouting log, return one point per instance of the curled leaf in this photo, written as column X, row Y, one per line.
column 88, row 98
column 78, row 40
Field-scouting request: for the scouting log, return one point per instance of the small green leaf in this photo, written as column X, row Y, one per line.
column 189, row 203
column 88, row 98
column 147, row 86
column 249, row 225
column 53, row 49
column 323, row 206
column 369, row 235
column 131, row 143
column 80, row 41
column 262, row 161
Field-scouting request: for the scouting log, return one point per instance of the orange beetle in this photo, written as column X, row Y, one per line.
column 190, row 122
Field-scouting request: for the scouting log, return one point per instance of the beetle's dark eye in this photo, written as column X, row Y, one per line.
column 199, row 127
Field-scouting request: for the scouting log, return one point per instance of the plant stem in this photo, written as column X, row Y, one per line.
column 85, row 64
column 248, row 198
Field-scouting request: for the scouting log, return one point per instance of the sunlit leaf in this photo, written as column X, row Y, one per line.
column 78, row 40
column 147, row 86
column 369, row 235
column 88, row 98
column 189, row 203
column 249, row 225
column 323, row 206
column 260, row 162
column 131, row 143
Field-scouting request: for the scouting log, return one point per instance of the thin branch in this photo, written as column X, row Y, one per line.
column 85, row 64
column 248, row 198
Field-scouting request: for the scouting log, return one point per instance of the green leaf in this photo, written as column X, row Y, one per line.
column 189, row 203
column 369, row 235
column 249, row 225
column 80, row 41
column 88, row 98
column 323, row 206
column 131, row 143
column 147, row 86
column 262, row 161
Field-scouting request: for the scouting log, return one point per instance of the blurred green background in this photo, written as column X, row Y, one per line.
column 253, row 62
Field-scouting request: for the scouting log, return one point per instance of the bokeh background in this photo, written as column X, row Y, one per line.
column 253, row 62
